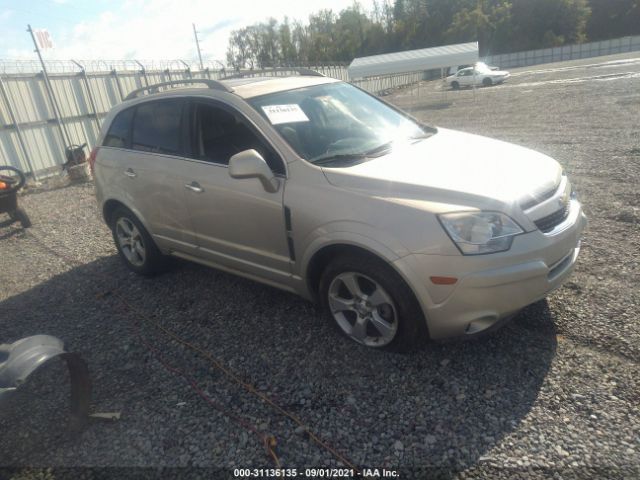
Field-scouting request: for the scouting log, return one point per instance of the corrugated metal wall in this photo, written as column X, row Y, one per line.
column 83, row 101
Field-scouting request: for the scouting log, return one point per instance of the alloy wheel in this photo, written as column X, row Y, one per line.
column 363, row 309
column 130, row 241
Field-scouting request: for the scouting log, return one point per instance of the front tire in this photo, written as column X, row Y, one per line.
column 135, row 246
column 487, row 82
column 455, row 85
column 370, row 303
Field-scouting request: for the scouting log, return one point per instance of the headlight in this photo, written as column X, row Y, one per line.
column 480, row 232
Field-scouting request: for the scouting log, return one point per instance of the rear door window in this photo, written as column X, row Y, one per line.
column 118, row 135
column 157, row 127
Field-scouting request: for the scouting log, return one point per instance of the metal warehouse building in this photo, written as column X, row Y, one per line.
column 414, row 60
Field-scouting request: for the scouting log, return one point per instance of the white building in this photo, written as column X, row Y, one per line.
column 414, row 60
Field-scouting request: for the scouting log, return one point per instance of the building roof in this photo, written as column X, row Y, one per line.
column 414, row 60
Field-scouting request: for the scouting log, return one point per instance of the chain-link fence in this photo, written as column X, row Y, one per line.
column 564, row 53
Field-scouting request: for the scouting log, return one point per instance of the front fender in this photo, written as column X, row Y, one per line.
column 353, row 234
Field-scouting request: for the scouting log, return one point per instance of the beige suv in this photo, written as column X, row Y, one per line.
column 312, row 185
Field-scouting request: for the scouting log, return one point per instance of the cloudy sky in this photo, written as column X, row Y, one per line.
column 142, row 29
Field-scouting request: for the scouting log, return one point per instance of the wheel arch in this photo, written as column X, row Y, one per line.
column 321, row 256
column 112, row 204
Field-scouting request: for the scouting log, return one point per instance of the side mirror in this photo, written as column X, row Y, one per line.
column 250, row 164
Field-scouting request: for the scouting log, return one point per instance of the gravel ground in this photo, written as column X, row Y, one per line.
column 552, row 394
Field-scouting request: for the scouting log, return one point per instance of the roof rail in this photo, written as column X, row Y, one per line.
column 212, row 84
column 299, row 70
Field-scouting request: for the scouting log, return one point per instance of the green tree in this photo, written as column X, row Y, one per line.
column 488, row 22
column 498, row 25
column 613, row 18
column 239, row 50
column 301, row 42
column 321, row 32
column 288, row 51
column 268, row 45
column 546, row 23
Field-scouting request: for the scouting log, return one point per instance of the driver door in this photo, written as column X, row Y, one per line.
column 238, row 224
column 465, row 78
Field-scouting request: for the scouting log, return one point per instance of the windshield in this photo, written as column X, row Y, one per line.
column 336, row 123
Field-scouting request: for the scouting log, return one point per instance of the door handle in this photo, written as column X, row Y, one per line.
column 194, row 187
column 130, row 173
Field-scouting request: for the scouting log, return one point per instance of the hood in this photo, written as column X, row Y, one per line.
column 456, row 168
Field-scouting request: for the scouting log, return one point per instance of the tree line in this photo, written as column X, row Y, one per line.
column 500, row 26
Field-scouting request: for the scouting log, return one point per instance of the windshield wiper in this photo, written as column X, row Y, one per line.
column 340, row 157
column 427, row 131
column 386, row 147
column 423, row 135
column 355, row 157
column 379, row 150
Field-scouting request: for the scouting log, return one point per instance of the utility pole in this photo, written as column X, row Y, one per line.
column 195, row 34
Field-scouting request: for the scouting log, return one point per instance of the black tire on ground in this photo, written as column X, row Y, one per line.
column 487, row 82
column 19, row 215
column 412, row 330
column 154, row 261
column 455, row 85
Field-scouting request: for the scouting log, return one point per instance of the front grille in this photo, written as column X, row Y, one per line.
column 548, row 223
column 538, row 199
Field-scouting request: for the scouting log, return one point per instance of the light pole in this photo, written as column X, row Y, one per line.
column 195, row 34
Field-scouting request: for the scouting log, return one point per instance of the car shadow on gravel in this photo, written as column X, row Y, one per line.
column 444, row 406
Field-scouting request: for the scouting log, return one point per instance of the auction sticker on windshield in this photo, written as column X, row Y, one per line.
column 285, row 114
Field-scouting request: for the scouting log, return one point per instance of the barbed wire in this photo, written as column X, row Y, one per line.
column 20, row 66
column 9, row 66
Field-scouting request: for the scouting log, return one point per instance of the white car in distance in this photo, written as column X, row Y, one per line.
column 478, row 75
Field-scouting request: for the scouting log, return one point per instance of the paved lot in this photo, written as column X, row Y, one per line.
column 554, row 393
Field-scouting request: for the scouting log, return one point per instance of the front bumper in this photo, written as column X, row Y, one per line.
column 494, row 286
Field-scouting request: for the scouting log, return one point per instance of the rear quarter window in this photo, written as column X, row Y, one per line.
column 118, row 135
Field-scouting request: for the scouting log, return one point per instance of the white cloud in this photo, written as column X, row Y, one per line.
column 162, row 29
column 5, row 15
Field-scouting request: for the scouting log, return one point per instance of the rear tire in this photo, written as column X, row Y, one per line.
column 455, row 85
column 135, row 246
column 383, row 314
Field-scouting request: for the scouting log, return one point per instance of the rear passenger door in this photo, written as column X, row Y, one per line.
column 238, row 223
column 151, row 170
